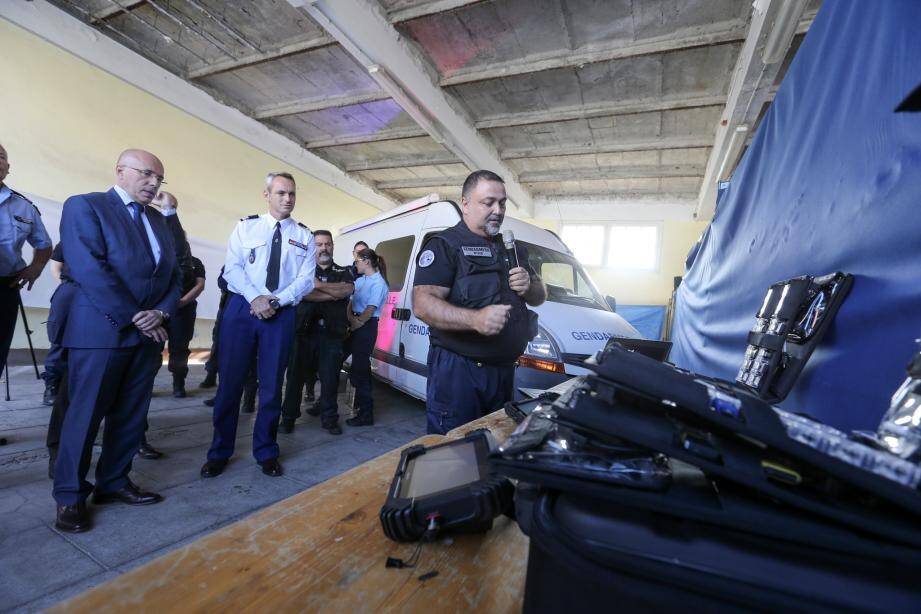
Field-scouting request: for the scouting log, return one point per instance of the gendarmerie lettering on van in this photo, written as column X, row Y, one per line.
column 573, row 323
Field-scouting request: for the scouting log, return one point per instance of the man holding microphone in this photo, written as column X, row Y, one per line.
column 474, row 300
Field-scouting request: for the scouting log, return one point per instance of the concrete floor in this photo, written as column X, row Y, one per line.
column 40, row 566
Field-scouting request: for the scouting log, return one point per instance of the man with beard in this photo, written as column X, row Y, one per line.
column 476, row 307
column 322, row 325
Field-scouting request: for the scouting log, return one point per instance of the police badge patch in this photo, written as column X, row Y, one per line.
column 426, row 258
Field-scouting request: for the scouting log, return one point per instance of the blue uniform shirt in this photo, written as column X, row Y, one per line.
column 370, row 290
column 20, row 221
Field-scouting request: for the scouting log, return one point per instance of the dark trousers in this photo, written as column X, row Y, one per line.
column 323, row 356
column 211, row 363
column 55, row 364
column 361, row 346
column 460, row 389
column 243, row 338
column 181, row 329
column 58, row 411
column 110, row 383
column 9, row 305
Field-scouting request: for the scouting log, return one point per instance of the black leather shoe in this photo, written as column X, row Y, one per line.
column 360, row 421
column 308, row 397
column 334, row 429
column 131, row 494
column 148, row 452
column 272, row 468
column 210, row 381
column 314, row 410
column 213, row 468
column 179, row 391
column 51, row 391
column 52, row 459
column 286, row 426
column 73, row 518
column 210, row 402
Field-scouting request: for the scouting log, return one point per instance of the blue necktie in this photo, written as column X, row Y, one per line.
column 139, row 222
column 271, row 273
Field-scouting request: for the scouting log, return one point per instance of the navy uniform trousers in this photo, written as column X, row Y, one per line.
column 361, row 347
column 244, row 337
column 121, row 395
column 461, row 389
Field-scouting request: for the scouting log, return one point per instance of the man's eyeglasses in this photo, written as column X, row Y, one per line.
column 149, row 173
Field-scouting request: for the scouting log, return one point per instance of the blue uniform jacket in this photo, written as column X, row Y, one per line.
column 112, row 277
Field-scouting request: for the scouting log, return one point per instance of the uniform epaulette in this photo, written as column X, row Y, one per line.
column 249, row 217
column 26, row 198
column 304, row 227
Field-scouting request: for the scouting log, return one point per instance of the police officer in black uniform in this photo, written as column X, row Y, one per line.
column 475, row 303
column 322, row 326
column 182, row 325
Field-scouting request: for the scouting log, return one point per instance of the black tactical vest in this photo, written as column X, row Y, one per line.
column 481, row 279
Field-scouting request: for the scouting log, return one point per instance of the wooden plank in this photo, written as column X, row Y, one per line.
column 323, row 549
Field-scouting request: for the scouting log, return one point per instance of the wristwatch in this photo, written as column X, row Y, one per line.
column 163, row 315
column 274, row 303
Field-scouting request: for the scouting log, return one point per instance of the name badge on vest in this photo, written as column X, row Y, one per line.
column 477, row 251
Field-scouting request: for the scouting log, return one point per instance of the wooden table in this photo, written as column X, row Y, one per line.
column 323, row 549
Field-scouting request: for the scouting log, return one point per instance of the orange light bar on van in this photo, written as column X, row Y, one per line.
column 541, row 365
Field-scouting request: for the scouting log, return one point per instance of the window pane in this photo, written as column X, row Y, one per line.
column 586, row 243
column 633, row 247
column 395, row 253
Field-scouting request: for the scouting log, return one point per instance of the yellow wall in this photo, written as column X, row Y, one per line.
column 64, row 122
column 655, row 288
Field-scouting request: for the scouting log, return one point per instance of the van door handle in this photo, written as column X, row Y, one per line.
column 401, row 314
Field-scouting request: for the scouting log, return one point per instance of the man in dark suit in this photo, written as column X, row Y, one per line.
column 124, row 285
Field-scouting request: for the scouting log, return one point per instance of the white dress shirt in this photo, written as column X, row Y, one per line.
column 247, row 261
column 154, row 244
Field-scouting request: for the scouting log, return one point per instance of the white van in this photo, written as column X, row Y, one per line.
column 575, row 321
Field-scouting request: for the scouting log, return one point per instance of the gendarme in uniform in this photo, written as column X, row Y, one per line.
column 469, row 372
column 20, row 221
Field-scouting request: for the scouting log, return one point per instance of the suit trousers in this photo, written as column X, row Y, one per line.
column 244, row 338
column 110, row 383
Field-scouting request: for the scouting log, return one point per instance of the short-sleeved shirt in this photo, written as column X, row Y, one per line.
column 20, row 221
column 330, row 314
column 370, row 290
column 190, row 276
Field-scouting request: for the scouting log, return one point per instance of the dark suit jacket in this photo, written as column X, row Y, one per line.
column 112, row 278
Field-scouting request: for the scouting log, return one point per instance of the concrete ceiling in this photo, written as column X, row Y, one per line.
column 601, row 101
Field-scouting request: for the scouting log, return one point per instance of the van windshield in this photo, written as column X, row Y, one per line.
column 567, row 282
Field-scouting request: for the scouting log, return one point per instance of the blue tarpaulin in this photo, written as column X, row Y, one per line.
column 647, row 319
column 831, row 181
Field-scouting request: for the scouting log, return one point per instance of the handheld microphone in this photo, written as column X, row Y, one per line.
column 511, row 255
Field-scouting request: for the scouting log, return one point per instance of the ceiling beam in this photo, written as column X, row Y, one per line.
column 306, row 106
column 83, row 41
column 114, row 9
column 421, row 160
column 653, row 144
column 213, row 68
column 749, row 88
column 427, row 8
column 612, row 172
column 362, row 28
column 703, row 37
column 383, row 135
column 603, row 109
column 616, row 208
column 426, row 182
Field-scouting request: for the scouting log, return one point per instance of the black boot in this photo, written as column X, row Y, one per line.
column 210, row 381
column 51, row 391
column 178, row 387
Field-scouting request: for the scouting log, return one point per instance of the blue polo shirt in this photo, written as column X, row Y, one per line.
column 370, row 290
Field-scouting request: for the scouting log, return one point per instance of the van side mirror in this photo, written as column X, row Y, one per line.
column 612, row 302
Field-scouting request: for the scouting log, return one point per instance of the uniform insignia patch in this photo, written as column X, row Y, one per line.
column 252, row 256
column 22, row 219
column 477, row 250
column 296, row 244
column 426, row 258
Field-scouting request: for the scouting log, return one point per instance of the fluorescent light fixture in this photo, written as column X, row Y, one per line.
column 781, row 33
column 736, row 141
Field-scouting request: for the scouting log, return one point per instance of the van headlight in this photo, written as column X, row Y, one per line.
column 542, row 346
